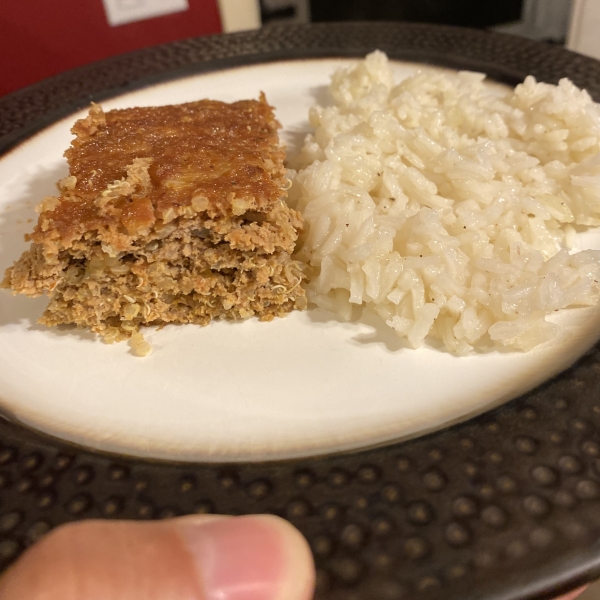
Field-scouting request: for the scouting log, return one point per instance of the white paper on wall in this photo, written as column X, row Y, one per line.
column 119, row 12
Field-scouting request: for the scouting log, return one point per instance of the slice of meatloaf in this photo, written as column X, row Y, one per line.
column 170, row 214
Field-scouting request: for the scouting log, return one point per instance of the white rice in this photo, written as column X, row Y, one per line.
column 448, row 206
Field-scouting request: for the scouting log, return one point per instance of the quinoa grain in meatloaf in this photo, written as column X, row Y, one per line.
column 172, row 214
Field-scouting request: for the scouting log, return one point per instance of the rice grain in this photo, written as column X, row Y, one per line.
column 448, row 206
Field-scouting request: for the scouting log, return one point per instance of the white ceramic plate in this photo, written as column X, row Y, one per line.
column 303, row 385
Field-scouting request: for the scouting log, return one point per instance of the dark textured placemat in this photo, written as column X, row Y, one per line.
column 505, row 506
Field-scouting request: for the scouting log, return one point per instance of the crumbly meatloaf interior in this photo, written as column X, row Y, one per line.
column 169, row 215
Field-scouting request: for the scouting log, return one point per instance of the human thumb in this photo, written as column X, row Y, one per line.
column 190, row 558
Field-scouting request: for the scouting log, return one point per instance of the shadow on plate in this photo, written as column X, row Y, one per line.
column 381, row 334
column 294, row 140
column 17, row 219
column 321, row 95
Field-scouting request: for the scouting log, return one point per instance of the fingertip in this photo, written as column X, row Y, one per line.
column 299, row 582
column 257, row 557
column 104, row 559
column 574, row 594
column 193, row 558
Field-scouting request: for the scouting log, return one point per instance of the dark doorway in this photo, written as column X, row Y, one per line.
column 468, row 13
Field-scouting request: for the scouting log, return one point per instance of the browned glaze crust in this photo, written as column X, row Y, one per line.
column 169, row 214
column 226, row 156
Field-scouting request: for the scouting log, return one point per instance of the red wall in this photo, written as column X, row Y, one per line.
column 39, row 38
